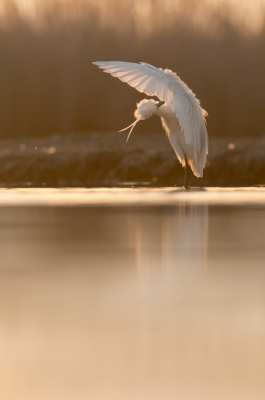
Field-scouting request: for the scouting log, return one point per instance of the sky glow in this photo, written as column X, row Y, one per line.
column 245, row 14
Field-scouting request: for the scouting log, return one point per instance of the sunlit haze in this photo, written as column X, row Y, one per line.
column 49, row 85
column 243, row 13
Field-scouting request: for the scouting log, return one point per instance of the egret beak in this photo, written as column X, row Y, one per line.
column 130, row 126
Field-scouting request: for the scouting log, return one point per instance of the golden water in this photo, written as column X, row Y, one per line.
column 132, row 294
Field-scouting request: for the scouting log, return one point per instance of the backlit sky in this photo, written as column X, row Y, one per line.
column 248, row 14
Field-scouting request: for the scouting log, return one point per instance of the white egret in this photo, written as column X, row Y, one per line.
column 182, row 116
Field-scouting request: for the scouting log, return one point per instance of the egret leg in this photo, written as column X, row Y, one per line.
column 187, row 175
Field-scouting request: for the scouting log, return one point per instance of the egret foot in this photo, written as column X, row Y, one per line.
column 187, row 176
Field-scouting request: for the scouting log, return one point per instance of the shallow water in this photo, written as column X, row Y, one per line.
column 131, row 300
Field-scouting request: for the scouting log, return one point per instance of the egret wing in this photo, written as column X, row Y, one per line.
column 168, row 87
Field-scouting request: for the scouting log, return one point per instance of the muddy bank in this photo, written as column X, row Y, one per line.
column 103, row 159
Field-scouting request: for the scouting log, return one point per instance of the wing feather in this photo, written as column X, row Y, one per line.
column 168, row 87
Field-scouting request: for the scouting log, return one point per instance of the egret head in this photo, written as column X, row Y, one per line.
column 145, row 109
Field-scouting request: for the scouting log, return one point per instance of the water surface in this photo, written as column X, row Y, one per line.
column 156, row 300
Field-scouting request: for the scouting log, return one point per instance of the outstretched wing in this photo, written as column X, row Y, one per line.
column 168, row 87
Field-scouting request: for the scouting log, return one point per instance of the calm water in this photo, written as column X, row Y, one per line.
column 132, row 302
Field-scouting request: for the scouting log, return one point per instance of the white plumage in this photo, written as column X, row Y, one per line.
column 182, row 116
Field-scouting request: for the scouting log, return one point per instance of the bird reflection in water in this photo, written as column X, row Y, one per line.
column 173, row 244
